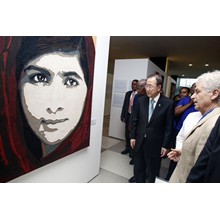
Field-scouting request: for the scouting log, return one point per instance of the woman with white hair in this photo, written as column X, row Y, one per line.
column 206, row 100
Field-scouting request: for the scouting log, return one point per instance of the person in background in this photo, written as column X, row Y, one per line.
column 184, row 93
column 176, row 98
column 207, row 166
column 126, row 113
column 188, row 124
column 184, row 106
column 206, row 100
column 140, row 92
column 151, row 130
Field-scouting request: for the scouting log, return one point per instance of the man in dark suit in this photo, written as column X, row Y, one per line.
column 126, row 113
column 151, row 130
column 207, row 166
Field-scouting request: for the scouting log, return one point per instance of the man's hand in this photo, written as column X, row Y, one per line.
column 132, row 143
column 163, row 152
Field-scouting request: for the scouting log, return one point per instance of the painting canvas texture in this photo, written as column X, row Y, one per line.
column 45, row 100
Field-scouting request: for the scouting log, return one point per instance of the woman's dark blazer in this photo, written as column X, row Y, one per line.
column 207, row 166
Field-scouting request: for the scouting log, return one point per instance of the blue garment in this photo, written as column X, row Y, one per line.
column 182, row 102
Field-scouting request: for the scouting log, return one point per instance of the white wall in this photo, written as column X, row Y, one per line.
column 125, row 70
column 83, row 165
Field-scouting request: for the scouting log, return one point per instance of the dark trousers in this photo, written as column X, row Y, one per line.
column 171, row 168
column 146, row 165
column 127, row 134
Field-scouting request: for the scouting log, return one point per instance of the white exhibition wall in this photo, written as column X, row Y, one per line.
column 82, row 166
column 125, row 70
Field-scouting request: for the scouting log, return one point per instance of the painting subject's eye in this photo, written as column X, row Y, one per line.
column 71, row 82
column 39, row 78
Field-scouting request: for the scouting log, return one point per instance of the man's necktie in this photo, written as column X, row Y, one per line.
column 131, row 102
column 151, row 108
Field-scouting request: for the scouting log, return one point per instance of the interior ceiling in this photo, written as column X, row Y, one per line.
column 180, row 51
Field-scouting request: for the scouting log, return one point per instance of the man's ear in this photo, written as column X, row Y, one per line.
column 159, row 88
column 215, row 94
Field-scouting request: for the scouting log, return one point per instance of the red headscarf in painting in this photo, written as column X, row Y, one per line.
column 20, row 150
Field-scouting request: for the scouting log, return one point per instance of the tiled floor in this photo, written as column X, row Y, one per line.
column 115, row 167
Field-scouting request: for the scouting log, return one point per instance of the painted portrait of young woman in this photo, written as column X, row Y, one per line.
column 45, row 100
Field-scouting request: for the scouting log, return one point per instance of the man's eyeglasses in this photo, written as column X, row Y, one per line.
column 149, row 86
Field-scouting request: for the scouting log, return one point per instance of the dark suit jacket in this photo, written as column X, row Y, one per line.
column 207, row 166
column 158, row 130
column 124, row 111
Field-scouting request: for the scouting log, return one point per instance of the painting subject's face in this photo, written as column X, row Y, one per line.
column 53, row 92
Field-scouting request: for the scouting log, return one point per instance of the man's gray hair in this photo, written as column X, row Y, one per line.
column 142, row 83
column 211, row 80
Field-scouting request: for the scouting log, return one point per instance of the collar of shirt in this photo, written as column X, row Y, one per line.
column 133, row 93
column 155, row 99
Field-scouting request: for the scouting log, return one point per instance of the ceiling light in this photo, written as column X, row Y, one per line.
column 183, row 75
column 190, row 64
column 206, row 64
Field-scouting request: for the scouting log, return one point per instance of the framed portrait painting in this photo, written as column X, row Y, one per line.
column 45, row 100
